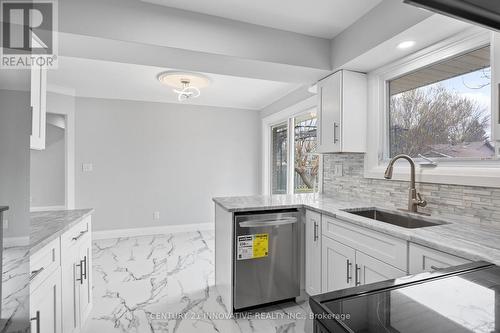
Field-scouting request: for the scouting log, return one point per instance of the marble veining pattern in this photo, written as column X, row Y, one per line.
column 458, row 237
column 47, row 226
column 165, row 283
column 15, row 290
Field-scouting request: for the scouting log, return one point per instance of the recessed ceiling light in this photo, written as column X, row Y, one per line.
column 406, row 44
column 186, row 85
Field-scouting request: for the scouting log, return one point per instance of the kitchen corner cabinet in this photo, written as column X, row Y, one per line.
column 61, row 282
column 342, row 112
column 422, row 259
column 313, row 253
column 38, row 107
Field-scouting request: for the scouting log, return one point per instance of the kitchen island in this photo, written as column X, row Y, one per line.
column 343, row 250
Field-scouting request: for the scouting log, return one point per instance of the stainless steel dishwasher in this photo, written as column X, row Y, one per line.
column 266, row 258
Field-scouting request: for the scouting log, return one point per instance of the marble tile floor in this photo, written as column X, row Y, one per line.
column 15, row 290
column 165, row 283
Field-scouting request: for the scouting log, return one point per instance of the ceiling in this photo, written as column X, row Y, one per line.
column 113, row 80
column 319, row 18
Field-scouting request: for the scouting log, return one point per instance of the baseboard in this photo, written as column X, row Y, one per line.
column 47, row 208
column 168, row 229
column 16, row 241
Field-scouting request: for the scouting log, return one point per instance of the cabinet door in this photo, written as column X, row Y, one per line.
column 85, row 285
column 337, row 265
column 70, row 289
column 45, row 305
column 38, row 107
column 313, row 253
column 425, row 259
column 330, row 119
column 371, row 270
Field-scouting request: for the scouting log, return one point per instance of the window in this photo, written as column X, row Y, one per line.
column 279, row 166
column 443, row 111
column 301, row 176
column 306, row 162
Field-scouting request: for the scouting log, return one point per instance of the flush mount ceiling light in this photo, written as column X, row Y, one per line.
column 186, row 85
column 406, row 44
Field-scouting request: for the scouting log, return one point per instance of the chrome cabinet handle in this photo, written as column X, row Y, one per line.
column 335, row 137
column 315, row 231
column 85, row 266
column 80, row 235
column 356, row 277
column 35, row 273
column 37, row 318
column 81, row 272
column 349, row 266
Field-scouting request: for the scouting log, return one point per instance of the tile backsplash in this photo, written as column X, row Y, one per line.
column 474, row 204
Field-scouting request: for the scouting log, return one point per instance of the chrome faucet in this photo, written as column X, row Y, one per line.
column 414, row 198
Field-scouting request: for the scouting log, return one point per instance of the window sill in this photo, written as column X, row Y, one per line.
column 451, row 175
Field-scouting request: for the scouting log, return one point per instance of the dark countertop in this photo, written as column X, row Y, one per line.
column 47, row 226
column 457, row 237
column 469, row 288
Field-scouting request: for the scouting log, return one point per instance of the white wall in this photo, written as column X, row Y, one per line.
column 14, row 160
column 169, row 158
column 47, row 180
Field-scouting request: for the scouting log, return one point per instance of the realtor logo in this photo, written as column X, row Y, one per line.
column 28, row 33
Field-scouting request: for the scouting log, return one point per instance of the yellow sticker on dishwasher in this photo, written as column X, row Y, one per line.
column 252, row 246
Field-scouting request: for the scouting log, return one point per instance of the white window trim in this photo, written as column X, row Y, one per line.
column 277, row 118
column 472, row 173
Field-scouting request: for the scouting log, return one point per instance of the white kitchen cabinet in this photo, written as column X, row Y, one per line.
column 423, row 259
column 371, row 270
column 313, row 253
column 45, row 305
column 76, row 275
column 86, row 281
column 342, row 112
column 345, row 267
column 338, row 262
column 70, row 290
column 38, row 107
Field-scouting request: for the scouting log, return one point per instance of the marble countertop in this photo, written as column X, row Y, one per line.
column 47, row 226
column 3, row 208
column 458, row 237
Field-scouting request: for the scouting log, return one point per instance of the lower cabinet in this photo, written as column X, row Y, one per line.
column 371, row 270
column 45, row 305
column 422, row 259
column 345, row 267
column 313, row 253
column 76, row 278
column 338, row 263
column 61, row 282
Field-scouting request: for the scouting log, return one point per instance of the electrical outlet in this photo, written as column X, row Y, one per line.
column 6, row 224
column 338, row 170
column 156, row 215
column 87, row 167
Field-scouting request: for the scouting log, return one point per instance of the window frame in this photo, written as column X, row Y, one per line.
column 287, row 115
column 461, row 171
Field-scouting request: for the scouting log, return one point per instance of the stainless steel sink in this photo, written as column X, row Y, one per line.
column 397, row 218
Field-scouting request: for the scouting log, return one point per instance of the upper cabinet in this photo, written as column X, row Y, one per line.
column 38, row 107
column 342, row 112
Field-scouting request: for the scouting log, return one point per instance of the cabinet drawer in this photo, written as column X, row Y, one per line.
column 44, row 262
column 426, row 259
column 388, row 249
column 76, row 234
